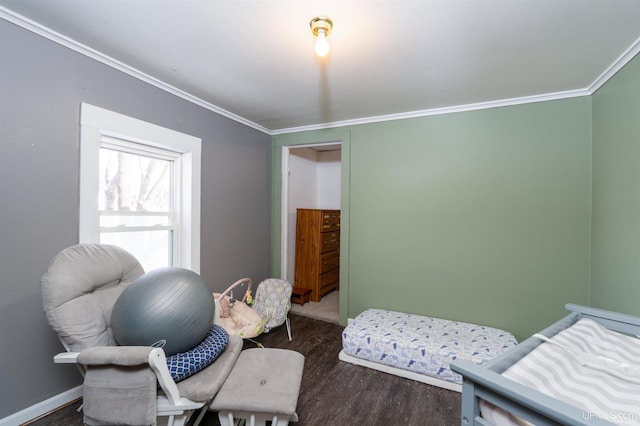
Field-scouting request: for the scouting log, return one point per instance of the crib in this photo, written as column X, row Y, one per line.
column 582, row 370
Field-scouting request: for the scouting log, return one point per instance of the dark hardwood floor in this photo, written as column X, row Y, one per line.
column 334, row 392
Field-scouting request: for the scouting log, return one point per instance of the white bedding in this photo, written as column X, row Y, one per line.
column 420, row 344
column 587, row 366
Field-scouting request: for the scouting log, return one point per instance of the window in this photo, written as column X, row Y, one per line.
column 140, row 189
column 137, row 191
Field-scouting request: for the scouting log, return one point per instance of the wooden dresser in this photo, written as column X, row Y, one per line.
column 317, row 251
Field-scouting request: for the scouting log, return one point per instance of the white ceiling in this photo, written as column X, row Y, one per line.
column 254, row 60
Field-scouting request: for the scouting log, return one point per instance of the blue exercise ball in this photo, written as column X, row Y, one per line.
column 170, row 308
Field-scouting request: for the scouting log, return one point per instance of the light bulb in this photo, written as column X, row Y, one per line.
column 322, row 45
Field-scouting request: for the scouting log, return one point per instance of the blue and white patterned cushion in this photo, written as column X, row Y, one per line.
column 185, row 364
column 421, row 344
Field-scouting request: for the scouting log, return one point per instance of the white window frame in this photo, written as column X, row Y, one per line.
column 172, row 215
column 98, row 123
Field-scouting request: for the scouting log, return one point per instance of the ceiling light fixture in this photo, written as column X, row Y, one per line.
column 321, row 27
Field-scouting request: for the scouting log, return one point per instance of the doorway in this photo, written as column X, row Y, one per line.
column 311, row 179
column 313, row 182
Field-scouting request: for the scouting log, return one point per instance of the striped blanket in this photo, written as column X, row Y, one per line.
column 587, row 366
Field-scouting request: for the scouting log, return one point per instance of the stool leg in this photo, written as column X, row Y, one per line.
column 288, row 321
column 280, row 421
column 226, row 420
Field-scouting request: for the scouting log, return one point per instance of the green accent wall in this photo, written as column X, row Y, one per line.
column 480, row 216
column 616, row 192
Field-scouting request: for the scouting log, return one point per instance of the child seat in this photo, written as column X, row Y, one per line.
column 237, row 316
column 273, row 301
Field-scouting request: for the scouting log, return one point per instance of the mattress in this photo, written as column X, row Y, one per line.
column 585, row 365
column 420, row 344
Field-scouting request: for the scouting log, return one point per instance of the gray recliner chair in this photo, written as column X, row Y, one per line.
column 79, row 290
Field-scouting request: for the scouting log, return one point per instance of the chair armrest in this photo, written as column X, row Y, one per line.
column 103, row 355
column 115, row 355
column 158, row 363
column 66, row 358
column 127, row 356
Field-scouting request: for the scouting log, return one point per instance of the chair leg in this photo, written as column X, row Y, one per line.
column 288, row 321
column 201, row 414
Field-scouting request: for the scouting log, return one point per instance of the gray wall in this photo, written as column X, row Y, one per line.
column 41, row 87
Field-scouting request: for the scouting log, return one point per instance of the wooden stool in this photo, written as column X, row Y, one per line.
column 300, row 295
column 262, row 387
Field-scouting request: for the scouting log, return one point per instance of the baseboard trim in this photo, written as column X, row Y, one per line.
column 422, row 378
column 42, row 408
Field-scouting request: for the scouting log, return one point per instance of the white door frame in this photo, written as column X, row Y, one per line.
column 284, row 208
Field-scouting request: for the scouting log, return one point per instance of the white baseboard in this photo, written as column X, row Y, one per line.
column 42, row 408
column 342, row 356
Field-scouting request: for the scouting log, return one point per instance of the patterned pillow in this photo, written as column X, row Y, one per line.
column 185, row 364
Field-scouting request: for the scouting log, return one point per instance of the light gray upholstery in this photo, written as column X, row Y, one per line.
column 264, row 381
column 118, row 355
column 79, row 289
column 116, row 395
column 207, row 382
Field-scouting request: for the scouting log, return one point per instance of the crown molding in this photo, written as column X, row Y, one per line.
column 56, row 37
column 623, row 60
column 43, row 31
column 440, row 111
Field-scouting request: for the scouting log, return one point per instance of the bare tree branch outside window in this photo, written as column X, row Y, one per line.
column 131, row 182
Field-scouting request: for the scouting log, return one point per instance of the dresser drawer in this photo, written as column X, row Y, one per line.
column 329, row 261
column 330, row 241
column 330, row 220
column 329, row 280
